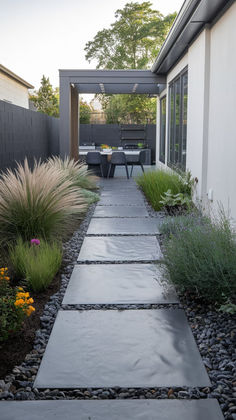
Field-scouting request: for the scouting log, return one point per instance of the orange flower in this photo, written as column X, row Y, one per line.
column 19, row 302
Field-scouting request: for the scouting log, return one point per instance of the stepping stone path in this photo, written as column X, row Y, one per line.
column 128, row 345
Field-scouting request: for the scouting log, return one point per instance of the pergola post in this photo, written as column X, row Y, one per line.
column 74, row 137
column 65, row 116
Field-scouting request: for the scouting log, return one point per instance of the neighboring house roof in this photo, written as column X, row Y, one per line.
column 191, row 19
column 14, row 76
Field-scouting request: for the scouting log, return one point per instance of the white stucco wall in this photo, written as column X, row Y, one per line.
column 221, row 176
column 211, row 127
column 12, row 91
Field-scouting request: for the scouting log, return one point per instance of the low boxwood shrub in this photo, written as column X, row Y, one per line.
column 36, row 262
column 200, row 259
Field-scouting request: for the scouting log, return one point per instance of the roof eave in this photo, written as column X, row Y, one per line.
column 14, row 76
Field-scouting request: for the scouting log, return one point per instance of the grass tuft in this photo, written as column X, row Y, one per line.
column 37, row 264
column 155, row 183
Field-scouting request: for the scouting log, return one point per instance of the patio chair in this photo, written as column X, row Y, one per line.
column 118, row 158
column 140, row 161
column 95, row 159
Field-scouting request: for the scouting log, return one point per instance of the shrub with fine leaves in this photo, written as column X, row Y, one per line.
column 201, row 260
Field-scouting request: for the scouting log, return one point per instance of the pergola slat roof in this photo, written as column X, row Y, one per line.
column 114, row 81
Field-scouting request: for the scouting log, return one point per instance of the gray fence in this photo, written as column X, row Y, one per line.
column 26, row 133
column 111, row 134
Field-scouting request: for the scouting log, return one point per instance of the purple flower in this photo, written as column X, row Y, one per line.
column 35, row 241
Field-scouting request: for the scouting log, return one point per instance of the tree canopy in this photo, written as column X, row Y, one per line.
column 132, row 42
column 46, row 100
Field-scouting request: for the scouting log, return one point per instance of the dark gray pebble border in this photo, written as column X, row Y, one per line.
column 214, row 332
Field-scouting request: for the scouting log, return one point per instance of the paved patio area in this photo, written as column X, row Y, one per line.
column 103, row 347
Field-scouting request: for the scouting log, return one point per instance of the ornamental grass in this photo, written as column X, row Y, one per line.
column 37, row 263
column 38, row 203
column 76, row 172
column 155, row 183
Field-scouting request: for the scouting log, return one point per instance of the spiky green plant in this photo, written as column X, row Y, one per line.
column 37, row 264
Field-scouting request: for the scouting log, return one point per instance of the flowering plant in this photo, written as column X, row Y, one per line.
column 35, row 241
column 15, row 305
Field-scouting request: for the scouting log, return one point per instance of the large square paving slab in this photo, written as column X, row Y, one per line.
column 130, row 348
column 120, row 211
column 125, row 226
column 115, row 198
column 120, row 248
column 118, row 283
column 111, row 410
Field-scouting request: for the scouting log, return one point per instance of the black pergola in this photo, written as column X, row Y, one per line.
column 74, row 82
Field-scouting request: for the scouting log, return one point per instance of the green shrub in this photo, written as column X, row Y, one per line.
column 38, row 264
column 15, row 306
column 155, row 183
column 175, row 203
column 178, row 224
column 201, row 260
column 76, row 172
column 90, row 196
column 37, row 202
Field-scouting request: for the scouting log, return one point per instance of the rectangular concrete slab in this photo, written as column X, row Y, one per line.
column 111, row 410
column 120, row 248
column 125, row 226
column 117, row 198
column 130, row 348
column 118, row 283
column 120, row 211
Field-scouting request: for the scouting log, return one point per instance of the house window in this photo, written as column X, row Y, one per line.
column 177, row 133
column 162, row 149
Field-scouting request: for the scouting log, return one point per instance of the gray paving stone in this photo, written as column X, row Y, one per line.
column 120, row 211
column 125, row 226
column 111, row 410
column 130, row 348
column 120, row 248
column 117, row 198
column 118, row 283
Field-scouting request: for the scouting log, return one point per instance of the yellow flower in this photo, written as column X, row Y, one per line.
column 20, row 288
column 19, row 302
column 20, row 295
column 30, row 300
column 30, row 310
column 7, row 278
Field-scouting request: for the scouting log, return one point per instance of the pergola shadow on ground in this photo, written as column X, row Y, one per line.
column 74, row 82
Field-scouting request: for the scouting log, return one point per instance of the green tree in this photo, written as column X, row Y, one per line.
column 132, row 42
column 85, row 112
column 46, row 99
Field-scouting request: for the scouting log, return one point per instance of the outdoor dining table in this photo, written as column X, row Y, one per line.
column 131, row 156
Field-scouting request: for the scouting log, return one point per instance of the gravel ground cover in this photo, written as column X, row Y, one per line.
column 214, row 332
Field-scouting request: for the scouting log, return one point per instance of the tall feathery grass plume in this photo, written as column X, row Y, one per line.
column 38, row 202
column 76, row 172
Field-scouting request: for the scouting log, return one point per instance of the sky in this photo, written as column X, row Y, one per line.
column 41, row 36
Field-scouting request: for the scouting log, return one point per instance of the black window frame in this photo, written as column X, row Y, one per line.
column 176, row 155
column 162, row 142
